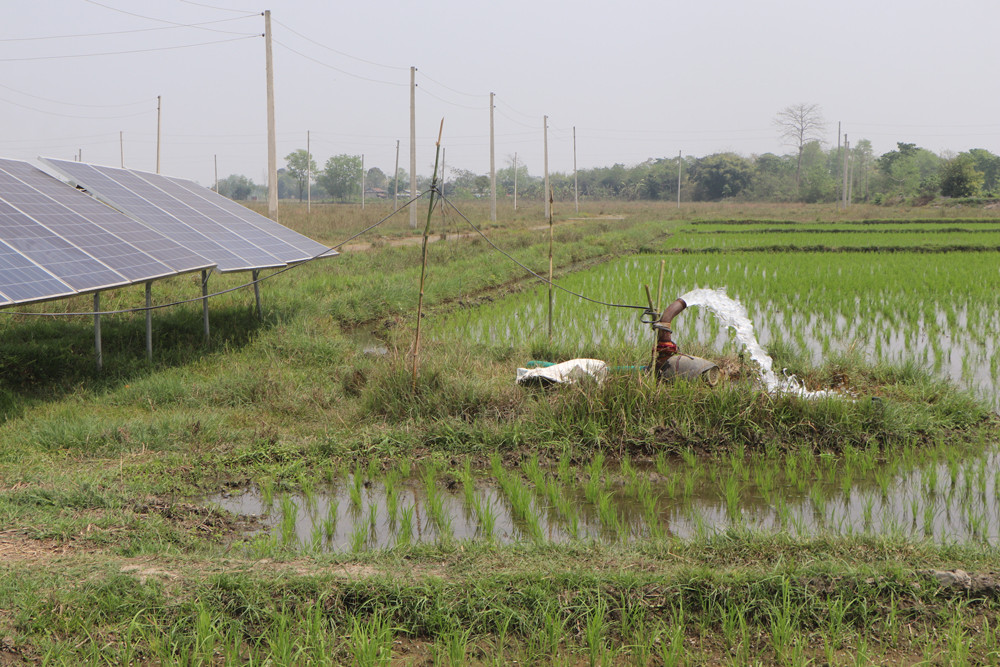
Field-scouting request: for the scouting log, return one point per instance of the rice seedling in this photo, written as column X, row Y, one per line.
column 593, row 631
column 357, row 482
column 330, row 524
column 371, row 641
column 289, row 519
column 404, row 534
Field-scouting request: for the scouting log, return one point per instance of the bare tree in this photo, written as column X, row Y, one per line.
column 799, row 124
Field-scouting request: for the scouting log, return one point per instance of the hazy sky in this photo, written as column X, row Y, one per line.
column 638, row 80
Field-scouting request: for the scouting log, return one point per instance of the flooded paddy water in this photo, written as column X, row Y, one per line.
column 946, row 496
column 939, row 312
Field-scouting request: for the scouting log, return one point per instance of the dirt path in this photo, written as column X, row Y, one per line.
column 416, row 240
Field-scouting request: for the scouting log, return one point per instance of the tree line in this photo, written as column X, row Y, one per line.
column 813, row 173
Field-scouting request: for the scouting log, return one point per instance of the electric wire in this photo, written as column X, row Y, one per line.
column 127, row 32
column 159, row 20
column 459, row 92
column 336, row 69
column 540, row 277
column 221, row 9
column 75, row 104
column 118, row 53
column 76, row 116
column 449, row 102
column 339, row 53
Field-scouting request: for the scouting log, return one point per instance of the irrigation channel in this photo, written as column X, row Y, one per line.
column 944, row 494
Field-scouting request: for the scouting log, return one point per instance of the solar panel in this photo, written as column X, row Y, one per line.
column 156, row 245
column 61, row 258
column 22, row 280
column 309, row 247
column 107, row 248
column 112, row 192
column 253, row 256
column 260, row 238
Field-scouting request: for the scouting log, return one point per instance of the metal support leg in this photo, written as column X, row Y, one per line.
column 204, row 301
column 256, row 294
column 97, row 331
column 149, row 322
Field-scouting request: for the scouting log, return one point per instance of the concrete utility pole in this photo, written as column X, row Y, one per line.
column 272, row 148
column 362, row 181
column 576, row 183
column 309, row 160
column 395, row 180
column 158, row 134
column 847, row 153
column 840, row 195
column 680, row 162
column 493, row 169
column 545, row 141
column 515, row 181
column 413, row 145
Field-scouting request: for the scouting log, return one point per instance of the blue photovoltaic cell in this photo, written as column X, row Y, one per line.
column 114, row 193
column 175, row 256
column 255, row 235
column 61, row 258
column 107, row 248
column 22, row 280
column 309, row 247
column 252, row 256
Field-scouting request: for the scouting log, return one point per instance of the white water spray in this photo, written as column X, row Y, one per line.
column 732, row 314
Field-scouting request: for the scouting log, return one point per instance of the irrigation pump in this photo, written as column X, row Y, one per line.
column 668, row 363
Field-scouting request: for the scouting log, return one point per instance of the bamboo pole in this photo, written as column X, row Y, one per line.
column 551, row 289
column 423, row 258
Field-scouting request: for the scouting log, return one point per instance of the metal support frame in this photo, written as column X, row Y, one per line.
column 204, row 301
column 97, row 331
column 149, row 322
column 256, row 294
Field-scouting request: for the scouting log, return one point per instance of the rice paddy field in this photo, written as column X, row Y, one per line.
column 293, row 492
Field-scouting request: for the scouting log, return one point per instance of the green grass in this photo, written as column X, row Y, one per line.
column 109, row 556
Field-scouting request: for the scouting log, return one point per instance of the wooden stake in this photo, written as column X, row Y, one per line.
column 423, row 258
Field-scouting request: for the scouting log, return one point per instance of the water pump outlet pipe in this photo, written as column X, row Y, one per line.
column 669, row 363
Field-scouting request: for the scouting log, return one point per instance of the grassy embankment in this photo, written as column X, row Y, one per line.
column 106, row 559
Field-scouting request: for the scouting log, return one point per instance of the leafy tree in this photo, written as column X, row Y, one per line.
column 909, row 171
column 299, row 166
column 482, row 185
column 720, row 176
column 236, row 186
column 798, row 125
column 341, row 176
column 960, row 178
column 400, row 183
column 376, row 178
column 505, row 177
column 988, row 165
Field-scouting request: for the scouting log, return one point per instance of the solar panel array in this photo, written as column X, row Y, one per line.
column 56, row 241
column 234, row 237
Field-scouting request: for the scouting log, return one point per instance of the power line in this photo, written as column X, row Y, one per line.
column 339, row 53
column 158, row 20
column 118, row 53
column 126, row 32
column 454, row 104
column 221, row 9
column 69, row 115
column 336, row 69
column 459, row 92
column 76, row 104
